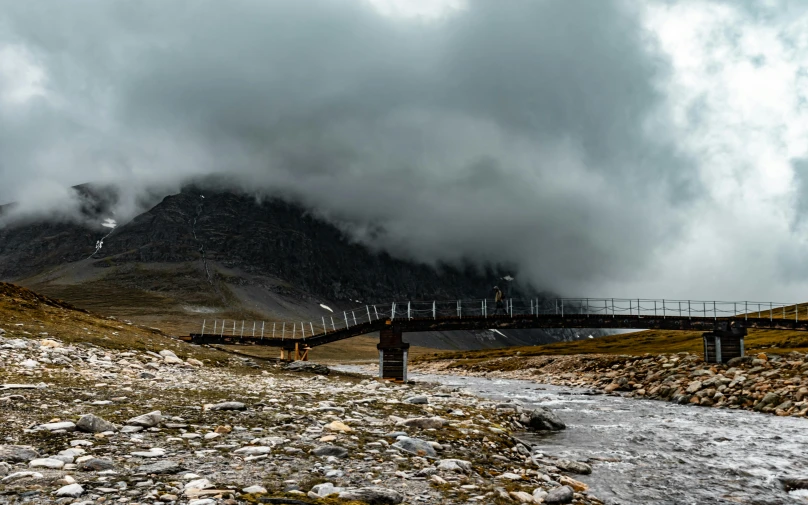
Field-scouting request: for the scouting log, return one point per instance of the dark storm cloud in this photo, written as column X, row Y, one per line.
column 527, row 132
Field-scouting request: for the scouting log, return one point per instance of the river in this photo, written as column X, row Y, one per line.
column 653, row 452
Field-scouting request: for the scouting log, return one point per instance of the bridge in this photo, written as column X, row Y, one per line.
column 725, row 323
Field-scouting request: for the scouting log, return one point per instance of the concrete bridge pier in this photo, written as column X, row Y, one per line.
column 723, row 343
column 392, row 353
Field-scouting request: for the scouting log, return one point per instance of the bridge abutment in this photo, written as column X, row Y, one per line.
column 393, row 353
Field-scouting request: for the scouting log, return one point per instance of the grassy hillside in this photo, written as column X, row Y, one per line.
column 641, row 342
column 26, row 314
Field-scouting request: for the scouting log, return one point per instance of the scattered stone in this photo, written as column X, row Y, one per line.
column 46, row 463
column 330, row 450
column 226, row 406
column 425, row 423
column 17, row 453
column 253, row 450
column 161, row 468
column 71, row 490
column 373, row 496
column 416, row 446
column 338, row 426
column 455, row 465
column 94, row 424
column 96, row 465
column 146, row 420
column 21, row 475
column 417, row 400
column 562, row 494
column 254, row 490
column 62, row 426
column 307, row 366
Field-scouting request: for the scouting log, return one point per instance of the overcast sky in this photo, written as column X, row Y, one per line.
column 607, row 148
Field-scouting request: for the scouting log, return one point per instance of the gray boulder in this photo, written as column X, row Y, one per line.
column 574, row 466
column 96, row 465
column 373, row 496
column 424, row 423
column 17, row 453
column 94, row 424
column 544, row 419
column 330, row 450
column 415, row 446
column 561, row 494
column 146, row 420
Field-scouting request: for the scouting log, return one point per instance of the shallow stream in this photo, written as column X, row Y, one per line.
column 653, row 452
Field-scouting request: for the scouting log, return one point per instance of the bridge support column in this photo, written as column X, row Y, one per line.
column 392, row 354
column 723, row 343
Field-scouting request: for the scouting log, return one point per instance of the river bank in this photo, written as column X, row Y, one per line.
column 83, row 424
column 776, row 384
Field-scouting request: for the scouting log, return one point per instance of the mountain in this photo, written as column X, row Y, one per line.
column 213, row 255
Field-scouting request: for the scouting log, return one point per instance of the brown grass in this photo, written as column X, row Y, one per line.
column 358, row 350
column 26, row 314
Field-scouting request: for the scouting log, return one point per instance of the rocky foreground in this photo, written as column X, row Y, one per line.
column 85, row 424
column 773, row 383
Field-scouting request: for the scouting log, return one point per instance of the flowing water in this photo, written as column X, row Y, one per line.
column 653, row 452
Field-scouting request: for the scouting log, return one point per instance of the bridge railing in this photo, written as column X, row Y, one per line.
column 333, row 321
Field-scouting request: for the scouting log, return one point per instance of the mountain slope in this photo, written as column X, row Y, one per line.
column 215, row 255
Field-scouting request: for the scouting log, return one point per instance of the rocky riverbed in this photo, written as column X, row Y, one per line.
column 776, row 384
column 85, row 424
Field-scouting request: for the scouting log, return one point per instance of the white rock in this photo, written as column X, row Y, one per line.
column 202, row 501
column 30, row 363
column 166, row 353
column 21, row 475
column 66, row 425
column 254, row 490
column 73, row 490
column 154, row 452
column 253, row 450
column 46, row 463
column 198, row 484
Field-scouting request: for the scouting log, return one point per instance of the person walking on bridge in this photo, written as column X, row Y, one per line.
column 498, row 299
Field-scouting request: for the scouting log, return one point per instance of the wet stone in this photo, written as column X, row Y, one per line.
column 562, row 494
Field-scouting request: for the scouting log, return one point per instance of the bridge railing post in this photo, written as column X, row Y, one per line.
column 393, row 312
column 369, row 318
column 325, row 328
column 376, row 311
column 409, row 310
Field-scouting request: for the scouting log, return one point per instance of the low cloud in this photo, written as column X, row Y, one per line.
column 550, row 135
